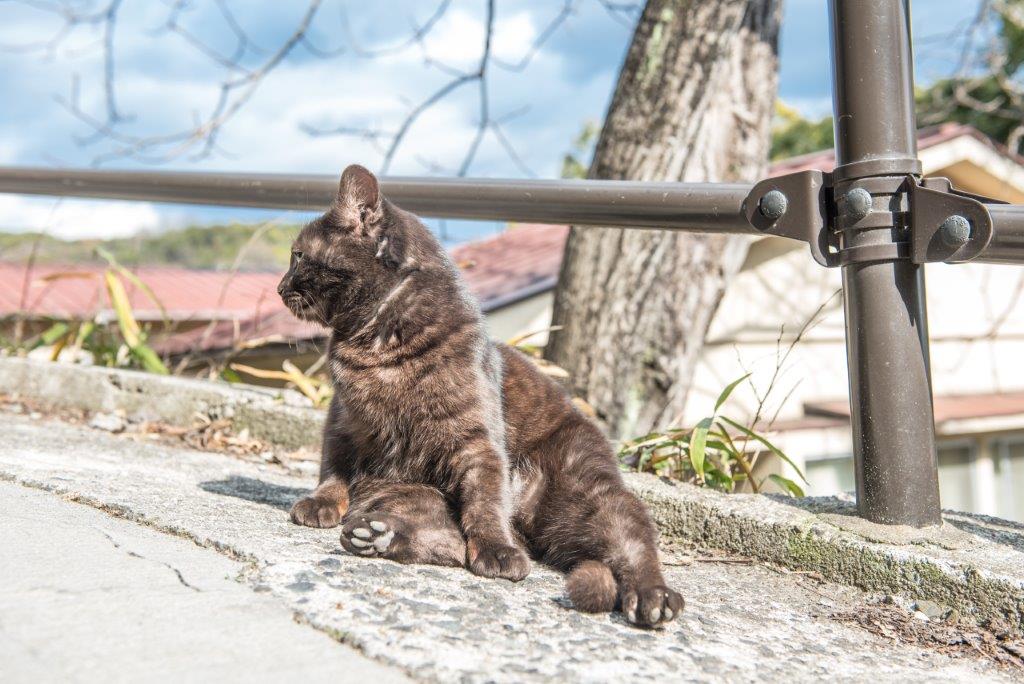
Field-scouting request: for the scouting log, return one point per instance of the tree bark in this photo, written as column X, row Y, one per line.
column 693, row 103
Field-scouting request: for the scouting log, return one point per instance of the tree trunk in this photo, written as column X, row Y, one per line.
column 693, row 103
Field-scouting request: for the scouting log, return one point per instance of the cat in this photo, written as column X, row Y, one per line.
column 444, row 447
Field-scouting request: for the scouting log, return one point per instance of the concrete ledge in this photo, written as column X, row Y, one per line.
column 280, row 417
column 971, row 564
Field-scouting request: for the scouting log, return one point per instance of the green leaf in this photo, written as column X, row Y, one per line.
column 698, row 441
column 727, row 438
column 134, row 279
column 771, row 447
column 149, row 359
column 653, row 440
column 728, row 390
column 716, row 444
column 54, row 332
column 657, row 458
column 788, row 485
column 230, row 375
column 719, row 480
column 85, row 331
column 645, row 458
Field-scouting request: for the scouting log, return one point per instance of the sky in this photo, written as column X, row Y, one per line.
column 163, row 84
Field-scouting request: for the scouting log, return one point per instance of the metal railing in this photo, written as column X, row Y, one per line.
column 873, row 216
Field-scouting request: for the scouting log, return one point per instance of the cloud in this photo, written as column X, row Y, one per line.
column 71, row 218
column 164, row 85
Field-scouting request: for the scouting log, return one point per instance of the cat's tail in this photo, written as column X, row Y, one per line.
column 591, row 586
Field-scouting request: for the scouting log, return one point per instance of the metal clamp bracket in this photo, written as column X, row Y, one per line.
column 946, row 224
column 926, row 220
column 795, row 206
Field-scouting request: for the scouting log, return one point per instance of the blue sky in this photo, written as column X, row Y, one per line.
column 164, row 84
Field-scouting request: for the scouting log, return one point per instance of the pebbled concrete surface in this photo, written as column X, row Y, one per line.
column 86, row 597
column 743, row 622
column 972, row 564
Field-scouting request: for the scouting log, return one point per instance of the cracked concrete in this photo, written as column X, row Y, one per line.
column 742, row 622
column 177, row 573
column 86, row 597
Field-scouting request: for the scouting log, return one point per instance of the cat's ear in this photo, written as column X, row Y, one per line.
column 358, row 204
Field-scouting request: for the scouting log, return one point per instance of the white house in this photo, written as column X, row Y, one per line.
column 976, row 321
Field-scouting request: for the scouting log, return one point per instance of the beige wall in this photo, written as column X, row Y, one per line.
column 525, row 316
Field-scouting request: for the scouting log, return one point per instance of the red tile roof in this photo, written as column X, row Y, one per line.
column 245, row 306
column 78, row 291
column 825, row 160
column 512, row 265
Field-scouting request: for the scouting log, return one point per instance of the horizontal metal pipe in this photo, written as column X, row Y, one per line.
column 703, row 207
column 1007, row 244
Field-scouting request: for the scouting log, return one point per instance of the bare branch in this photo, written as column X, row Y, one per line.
column 485, row 124
column 626, row 13
column 247, row 65
column 417, row 36
column 201, row 139
column 568, row 7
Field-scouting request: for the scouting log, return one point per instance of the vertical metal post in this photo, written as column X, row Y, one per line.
column 884, row 295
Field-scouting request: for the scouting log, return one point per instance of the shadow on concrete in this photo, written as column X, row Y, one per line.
column 816, row 504
column 1005, row 532
column 254, row 490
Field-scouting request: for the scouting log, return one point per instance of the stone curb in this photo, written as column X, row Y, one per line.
column 972, row 564
column 280, row 417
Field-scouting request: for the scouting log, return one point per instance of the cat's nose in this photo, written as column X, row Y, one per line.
column 282, row 287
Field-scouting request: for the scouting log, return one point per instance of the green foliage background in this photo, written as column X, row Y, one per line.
column 200, row 247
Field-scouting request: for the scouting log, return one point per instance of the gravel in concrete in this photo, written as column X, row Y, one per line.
column 85, row 597
column 742, row 622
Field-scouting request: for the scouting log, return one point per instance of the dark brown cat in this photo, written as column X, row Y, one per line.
column 443, row 447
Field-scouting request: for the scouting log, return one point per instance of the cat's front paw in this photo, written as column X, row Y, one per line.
column 490, row 559
column 313, row 511
column 651, row 606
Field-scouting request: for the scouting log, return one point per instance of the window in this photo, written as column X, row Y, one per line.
column 956, row 476
column 830, row 476
column 834, row 474
column 1009, row 470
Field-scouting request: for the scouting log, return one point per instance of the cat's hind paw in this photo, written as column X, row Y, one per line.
column 651, row 606
column 369, row 536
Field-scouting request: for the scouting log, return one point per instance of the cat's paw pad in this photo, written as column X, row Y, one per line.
column 316, row 512
column 367, row 536
column 498, row 560
column 651, row 606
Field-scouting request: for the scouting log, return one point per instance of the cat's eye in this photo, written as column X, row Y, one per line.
column 297, row 255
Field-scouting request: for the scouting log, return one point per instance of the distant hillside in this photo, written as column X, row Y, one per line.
column 202, row 247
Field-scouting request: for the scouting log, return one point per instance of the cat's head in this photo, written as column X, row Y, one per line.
column 344, row 263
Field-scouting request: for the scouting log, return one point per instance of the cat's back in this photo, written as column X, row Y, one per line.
column 536, row 406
